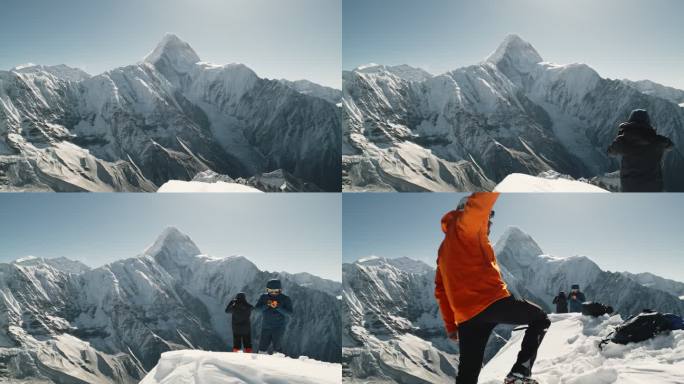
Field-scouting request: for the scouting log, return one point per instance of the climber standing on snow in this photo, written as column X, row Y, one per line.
column 642, row 151
column 561, row 302
column 276, row 308
column 473, row 297
column 241, row 312
column 576, row 298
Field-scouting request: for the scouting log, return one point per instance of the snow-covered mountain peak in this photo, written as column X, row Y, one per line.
column 516, row 242
column 402, row 71
column 411, row 266
column 173, row 52
column 25, row 259
column 67, row 265
column 59, row 263
column 652, row 88
column 369, row 68
column 515, row 52
column 404, row 264
column 368, row 259
column 60, row 71
column 172, row 242
column 410, row 73
column 372, row 261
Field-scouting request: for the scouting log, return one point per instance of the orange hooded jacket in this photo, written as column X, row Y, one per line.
column 468, row 278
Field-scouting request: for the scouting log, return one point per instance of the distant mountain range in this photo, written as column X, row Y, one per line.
column 393, row 331
column 407, row 130
column 63, row 322
column 168, row 117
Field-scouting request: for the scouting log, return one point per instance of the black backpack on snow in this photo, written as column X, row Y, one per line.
column 638, row 328
column 594, row 309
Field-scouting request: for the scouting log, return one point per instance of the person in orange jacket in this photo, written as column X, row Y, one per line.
column 472, row 296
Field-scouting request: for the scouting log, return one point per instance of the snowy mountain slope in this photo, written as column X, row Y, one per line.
column 199, row 367
column 36, row 343
column 469, row 128
column 125, row 314
column 570, row 354
column 392, row 330
column 545, row 275
column 650, row 280
column 403, row 71
column 654, row 89
column 60, row 71
column 61, row 264
column 307, row 87
column 304, row 279
column 168, row 117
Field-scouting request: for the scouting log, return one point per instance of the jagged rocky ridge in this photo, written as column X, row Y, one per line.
column 392, row 329
column 168, row 117
column 62, row 322
column 406, row 130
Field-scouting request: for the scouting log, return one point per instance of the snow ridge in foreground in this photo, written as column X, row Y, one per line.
column 570, row 354
column 172, row 186
column 519, row 182
column 200, row 367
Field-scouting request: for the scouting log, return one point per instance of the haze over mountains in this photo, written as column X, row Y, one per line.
column 168, row 117
column 61, row 321
column 393, row 331
column 407, row 130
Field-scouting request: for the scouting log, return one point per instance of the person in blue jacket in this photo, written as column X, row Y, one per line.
column 576, row 298
column 276, row 308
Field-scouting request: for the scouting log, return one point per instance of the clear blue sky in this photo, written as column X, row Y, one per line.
column 632, row 39
column 290, row 232
column 291, row 39
column 620, row 232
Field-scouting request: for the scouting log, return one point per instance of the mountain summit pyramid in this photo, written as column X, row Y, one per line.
column 172, row 52
column 515, row 52
column 173, row 242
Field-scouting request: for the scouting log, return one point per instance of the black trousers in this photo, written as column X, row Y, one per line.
column 242, row 339
column 271, row 336
column 474, row 333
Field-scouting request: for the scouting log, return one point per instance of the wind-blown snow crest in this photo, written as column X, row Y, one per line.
column 200, row 367
column 569, row 354
column 519, row 182
column 173, row 186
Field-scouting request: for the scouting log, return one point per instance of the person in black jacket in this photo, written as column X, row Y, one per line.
column 276, row 308
column 241, row 312
column 561, row 302
column 642, row 151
